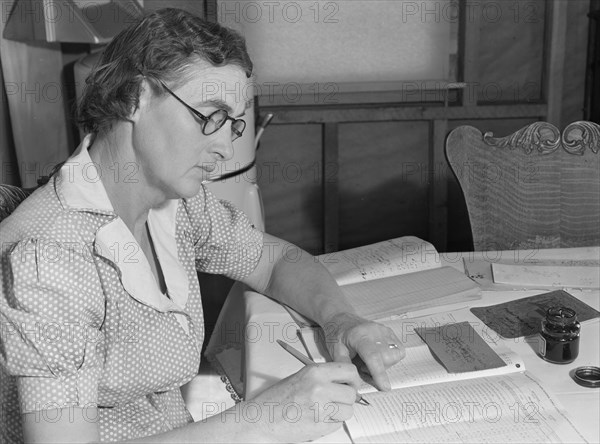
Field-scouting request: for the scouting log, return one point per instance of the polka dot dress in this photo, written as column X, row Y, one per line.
column 80, row 326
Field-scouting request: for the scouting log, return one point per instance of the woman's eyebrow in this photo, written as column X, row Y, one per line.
column 218, row 104
column 214, row 103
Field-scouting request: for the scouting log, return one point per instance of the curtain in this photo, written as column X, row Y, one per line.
column 33, row 107
column 8, row 162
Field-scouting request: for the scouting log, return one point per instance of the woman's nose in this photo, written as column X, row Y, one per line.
column 223, row 146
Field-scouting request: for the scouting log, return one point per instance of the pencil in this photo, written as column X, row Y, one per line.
column 307, row 361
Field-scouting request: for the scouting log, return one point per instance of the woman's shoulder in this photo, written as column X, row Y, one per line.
column 41, row 216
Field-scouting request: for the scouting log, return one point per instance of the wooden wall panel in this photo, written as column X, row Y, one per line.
column 382, row 181
column 290, row 179
column 575, row 62
column 511, row 49
column 504, row 49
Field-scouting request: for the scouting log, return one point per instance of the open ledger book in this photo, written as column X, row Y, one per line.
column 392, row 278
column 427, row 403
column 384, row 279
column 383, row 259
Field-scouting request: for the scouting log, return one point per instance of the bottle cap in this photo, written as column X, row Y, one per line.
column 587, row 376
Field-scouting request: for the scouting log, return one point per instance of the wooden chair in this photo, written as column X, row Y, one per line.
column 10, row 198
column 536, row 188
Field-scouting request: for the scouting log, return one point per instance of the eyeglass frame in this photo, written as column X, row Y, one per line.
column 235, row 132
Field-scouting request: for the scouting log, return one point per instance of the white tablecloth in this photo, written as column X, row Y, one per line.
column 250, row 324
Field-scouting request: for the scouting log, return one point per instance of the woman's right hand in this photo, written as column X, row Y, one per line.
column 308, row 404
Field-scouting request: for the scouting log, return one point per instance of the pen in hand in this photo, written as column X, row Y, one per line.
column 307, row 361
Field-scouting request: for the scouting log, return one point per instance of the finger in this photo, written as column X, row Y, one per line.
column 394, row 340
column 324, row 387
column 392, row 351
column 373, row 359
column 341, row 353
column 346, row 395
column 393, row 354
column 341, row 373
column 338, row 412
column 342, row 393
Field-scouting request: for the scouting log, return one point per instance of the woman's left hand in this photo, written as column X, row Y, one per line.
column 348, row 335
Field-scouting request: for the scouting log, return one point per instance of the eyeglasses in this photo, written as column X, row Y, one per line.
column 215, row 121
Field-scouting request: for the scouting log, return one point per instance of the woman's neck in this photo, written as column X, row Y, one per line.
column 123, row 179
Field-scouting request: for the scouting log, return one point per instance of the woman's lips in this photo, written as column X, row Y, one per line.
column 208, row 167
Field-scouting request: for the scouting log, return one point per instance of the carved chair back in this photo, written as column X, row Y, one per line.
column 536, row 188
column 11, row 196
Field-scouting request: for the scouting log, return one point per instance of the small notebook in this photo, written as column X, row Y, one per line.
column 522, row 317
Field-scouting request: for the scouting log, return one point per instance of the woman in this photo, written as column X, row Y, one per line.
column 101, row 311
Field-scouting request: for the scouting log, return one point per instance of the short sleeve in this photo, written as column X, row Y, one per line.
column 51, row 315
column 225, row 241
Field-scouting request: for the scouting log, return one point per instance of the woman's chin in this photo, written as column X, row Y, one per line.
column 186, row 190
column 190, row 191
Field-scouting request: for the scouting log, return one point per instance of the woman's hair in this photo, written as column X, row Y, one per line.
column 161, row 45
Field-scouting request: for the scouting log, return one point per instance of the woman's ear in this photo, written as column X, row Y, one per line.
column 144, row 99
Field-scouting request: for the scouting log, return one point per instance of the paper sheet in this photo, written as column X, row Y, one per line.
column 480, row 268
column 481, row 272
column 506, row 408
column 575, row 276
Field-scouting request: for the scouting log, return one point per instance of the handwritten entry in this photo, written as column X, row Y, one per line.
column 459, row 348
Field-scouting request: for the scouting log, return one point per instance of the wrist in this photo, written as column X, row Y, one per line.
column 334, row 308
column 338, row 325
column 343, row 318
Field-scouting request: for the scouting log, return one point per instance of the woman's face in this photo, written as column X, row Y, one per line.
column 173, row 154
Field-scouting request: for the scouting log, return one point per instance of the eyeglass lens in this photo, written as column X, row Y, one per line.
column 217, row 119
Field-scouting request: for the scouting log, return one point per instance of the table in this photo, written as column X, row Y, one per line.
column 264, row 362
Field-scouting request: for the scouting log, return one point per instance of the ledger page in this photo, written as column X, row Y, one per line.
column 419, row 366
column 388, row 258
column 393, row 296
column 505, row 408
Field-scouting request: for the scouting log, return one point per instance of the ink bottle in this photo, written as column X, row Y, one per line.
column 559, row 337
